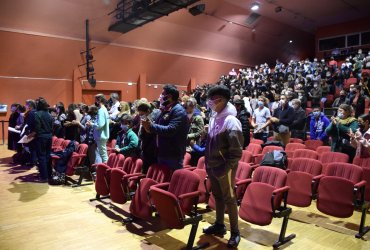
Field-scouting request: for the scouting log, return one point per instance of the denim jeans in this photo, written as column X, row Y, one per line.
column 43, row 149
column 101, row 151
column 171, row 163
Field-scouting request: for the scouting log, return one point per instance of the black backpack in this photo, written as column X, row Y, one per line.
column 276, row 158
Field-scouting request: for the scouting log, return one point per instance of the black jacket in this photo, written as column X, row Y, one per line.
column 285, row 116
column 171, row 129
column 299, row 121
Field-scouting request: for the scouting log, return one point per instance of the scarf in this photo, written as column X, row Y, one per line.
column 347, row 121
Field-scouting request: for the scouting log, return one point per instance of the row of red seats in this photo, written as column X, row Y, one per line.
column 75, row 164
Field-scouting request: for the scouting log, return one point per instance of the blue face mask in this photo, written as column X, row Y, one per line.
column 316, row 113
column 260, row 104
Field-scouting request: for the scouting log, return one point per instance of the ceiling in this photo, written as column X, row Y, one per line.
column 211, row 36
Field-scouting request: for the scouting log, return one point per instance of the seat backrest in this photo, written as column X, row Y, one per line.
column 362, row 162
column 295, row 140
column 132, row 165
column 322, row 149
column 159, row 173
column 307, row 165
column 54, row 139
column 182, row 182
column 347, row 171
column 112, row 143
column 313, row 144
column 294, row 146
column 328, row 157
column 270, row 149
column 187, row 159
column 119, row 162
column 82, row 148
column 111, row 159
column 275, row 177
column 58, row 142
column 201, row 163
column 244, row 171
column 246, row 156
column 305, row 153
column 256, row 141
column 204, row 184
column 65, row 144
column 254, row 148
column 168, row 207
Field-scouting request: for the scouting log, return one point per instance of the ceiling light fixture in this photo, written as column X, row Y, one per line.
column 255, row 6
column 290, row 41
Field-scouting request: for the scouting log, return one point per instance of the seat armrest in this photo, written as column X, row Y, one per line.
column 281, row 190
column 188, row 195
column 55, row 157
column 135, row 177
column 191, row 168
column 163, row 185
column 317, row 178
column 360, row 184
column 244, row 181
column 287, row 170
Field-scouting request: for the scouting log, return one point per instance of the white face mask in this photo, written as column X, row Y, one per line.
column 340, row 115
column 282, row 102
column 212, row 105
column 190, row 115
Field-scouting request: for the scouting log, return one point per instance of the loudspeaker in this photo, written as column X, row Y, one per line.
column 197, row 9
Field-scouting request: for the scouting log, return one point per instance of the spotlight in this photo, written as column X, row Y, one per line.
column 92, row 81
column 197, row 9
column 255, row 6
column 278, row 9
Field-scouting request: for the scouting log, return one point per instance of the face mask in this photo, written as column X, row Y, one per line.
column 340, row 115
column 260, row 104
column 282, row 102
column 143, row 117
column 119, row 109
column 315, row 86
column 190, row 115
column 163, row 100
column 316, row 113
column 212, row 105
column 124, row 127
column 97, row 104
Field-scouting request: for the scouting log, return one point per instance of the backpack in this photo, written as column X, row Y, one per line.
column 276, row 158
column 273, row 143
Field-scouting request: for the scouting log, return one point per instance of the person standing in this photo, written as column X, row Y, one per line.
column 171, row 129
column 340, row 129
column 223, row 152
column 43, row 133
column 299, row 123
column 361, row 139
column 101, row 129
column 318, row 124
column 243, row 116
column 30, row 129
column 260, row 119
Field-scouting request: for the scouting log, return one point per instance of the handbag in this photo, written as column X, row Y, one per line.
column 283, row 129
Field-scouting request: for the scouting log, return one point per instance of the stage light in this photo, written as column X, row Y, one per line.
column 255, row 6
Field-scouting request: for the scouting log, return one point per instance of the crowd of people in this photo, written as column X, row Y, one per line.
column 215, row 121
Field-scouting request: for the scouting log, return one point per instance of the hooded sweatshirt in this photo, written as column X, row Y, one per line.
column 224, row 142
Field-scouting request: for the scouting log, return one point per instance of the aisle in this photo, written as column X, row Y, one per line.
column 39, row 216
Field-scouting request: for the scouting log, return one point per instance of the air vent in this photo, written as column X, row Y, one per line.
column 252, row 18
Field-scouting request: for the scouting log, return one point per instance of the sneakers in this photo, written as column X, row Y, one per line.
column 58, row 179
column 218, row 229
column 234, row 240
